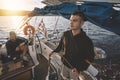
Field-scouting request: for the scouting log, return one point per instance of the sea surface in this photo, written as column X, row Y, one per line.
column 56, row 25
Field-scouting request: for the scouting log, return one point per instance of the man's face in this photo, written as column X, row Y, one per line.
column 75, row 22
column 12, row 36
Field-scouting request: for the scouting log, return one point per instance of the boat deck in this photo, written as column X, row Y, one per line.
column 41, row 70
column 17, row 70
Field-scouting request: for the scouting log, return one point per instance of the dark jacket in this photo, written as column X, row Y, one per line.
column 78, row 49
column 11, row 47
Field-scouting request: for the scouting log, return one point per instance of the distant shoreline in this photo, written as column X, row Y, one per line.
column 4, row 12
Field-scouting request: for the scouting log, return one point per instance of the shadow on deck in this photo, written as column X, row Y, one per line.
column 41, row 70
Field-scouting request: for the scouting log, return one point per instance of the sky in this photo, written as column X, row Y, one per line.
column 28, row 4
column 20, row 4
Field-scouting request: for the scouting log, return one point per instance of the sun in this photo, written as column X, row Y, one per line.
column 13, row 4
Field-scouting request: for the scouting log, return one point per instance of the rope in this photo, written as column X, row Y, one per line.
column 56, row 26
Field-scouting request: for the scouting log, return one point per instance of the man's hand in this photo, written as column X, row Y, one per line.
column 17, row 48
column 75, row 72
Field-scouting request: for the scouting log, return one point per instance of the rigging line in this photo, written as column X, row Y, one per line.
column 35, row 21
column 56, row 23
column 25, row 21
column 19, row 20
column 22, row 23
column 56, row 26
column 18, row 30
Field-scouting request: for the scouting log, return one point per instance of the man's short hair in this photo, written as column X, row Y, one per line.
column 12, row 32
column 79, row 13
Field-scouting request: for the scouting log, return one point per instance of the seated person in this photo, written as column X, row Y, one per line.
column 16, row 47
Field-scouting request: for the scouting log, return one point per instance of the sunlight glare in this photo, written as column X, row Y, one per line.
column 13, row 4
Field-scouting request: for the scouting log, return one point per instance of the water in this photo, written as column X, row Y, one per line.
column 102, row 38
column 7, row 24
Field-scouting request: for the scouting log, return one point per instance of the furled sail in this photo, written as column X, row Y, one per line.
column 100, row 13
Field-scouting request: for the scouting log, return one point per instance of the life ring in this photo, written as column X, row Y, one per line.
column 29, row 30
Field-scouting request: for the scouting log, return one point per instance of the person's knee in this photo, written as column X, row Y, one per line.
column 24, row 48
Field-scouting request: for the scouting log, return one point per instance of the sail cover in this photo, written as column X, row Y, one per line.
column 99, row 13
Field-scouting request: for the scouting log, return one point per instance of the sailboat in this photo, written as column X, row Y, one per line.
column 39, row 48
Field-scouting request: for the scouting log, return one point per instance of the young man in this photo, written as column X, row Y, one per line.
column 15, row 47
column 77, row 46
